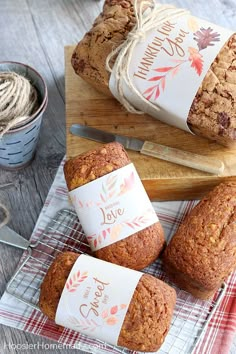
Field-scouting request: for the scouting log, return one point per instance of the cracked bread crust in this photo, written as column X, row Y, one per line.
column 147, row 320
column 138, row 250
column 213, row 111
column 202, row 253
column 109, row 30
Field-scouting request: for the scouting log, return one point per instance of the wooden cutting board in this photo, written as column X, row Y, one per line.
column 162, row 180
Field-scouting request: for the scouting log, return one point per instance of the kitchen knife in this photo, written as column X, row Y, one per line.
column 189, row 159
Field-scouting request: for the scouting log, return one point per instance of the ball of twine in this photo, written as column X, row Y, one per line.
column 4, row 215
column 18, row 100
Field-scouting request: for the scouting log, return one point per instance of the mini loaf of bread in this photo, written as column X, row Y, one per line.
column 202, row 253
column 138, row 250
column 213, row 111
column 147, row 320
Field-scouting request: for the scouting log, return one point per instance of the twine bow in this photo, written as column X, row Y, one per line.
column 149, row 15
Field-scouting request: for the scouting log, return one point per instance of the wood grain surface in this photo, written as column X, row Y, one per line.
column 35, row 32
column 162, row 180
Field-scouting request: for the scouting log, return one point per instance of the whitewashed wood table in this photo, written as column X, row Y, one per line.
column 35, row 32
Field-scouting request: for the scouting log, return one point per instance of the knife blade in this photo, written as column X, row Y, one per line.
column 180, row 157
column 10, row 237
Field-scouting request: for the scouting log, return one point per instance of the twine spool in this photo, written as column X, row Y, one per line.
column 18, row 100
column 4, row 215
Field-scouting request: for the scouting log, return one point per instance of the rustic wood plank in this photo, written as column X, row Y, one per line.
column 162, row 180
column 35, row 32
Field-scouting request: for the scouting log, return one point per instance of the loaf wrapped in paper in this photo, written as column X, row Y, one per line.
column 162, row 61
column 88, row 295
column 115, row 212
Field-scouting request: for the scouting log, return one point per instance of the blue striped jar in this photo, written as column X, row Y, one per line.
column 18, row 145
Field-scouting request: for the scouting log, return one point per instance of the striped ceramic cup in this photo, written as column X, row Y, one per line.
column 18, row 145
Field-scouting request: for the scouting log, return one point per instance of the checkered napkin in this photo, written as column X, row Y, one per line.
column 190, row 314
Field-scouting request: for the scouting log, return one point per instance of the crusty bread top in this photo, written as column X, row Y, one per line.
column 109, row 30
column 95, row 163
column 204, row 246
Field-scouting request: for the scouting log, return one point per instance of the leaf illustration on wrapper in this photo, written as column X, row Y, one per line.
column 110, row 195
column 91, row 237
column 76, row 276
column 115, row 232
column 111, row 321
column 157, row 93
column 140, row 220
column 196, row 60
column 96, row 239
column 83, row 325
column 164, row 69
column 167, row 70
column 75, row 280
column 104, row 234
column 105, row 313
column 152, row 90
column 111, row 182
column 149, row 92
column 114, row 310
column 108, row 188
column 163, row 83
column 130, row 224
column 128, row 184
column 150, row 96
column 178, row 61
column 206, row 37
column 104, row 189
column 156, row 78
column 175, row 71
column 130, row 181
column 102, row 198
column 108, row 315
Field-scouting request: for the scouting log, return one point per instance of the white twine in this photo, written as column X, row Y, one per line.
column 6, row 215
column 18, row 100
column 146, row 20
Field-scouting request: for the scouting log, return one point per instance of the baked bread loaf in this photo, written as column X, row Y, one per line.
column 136, row 251
column 147, row 320
column 213, row 111
column 202, row 253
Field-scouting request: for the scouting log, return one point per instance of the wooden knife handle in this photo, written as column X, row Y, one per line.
column 199, row 162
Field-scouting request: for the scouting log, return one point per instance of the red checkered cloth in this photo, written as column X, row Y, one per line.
column 190, row 313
